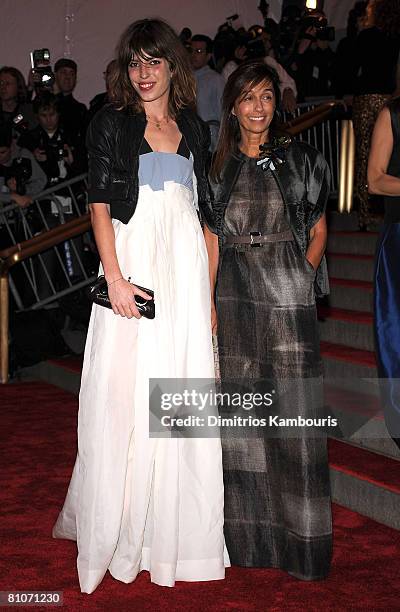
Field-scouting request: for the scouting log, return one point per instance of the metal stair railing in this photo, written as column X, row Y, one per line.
column 19, row 253
column 52, row 207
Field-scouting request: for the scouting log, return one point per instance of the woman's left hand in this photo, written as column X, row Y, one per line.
column 213, row 318
column 311, row 263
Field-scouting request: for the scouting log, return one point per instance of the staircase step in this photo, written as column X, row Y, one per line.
column 350, row 356
column 351, row 266
column 365, row 482
column 360, row 419
column 350, row 368
column 348, row 294
column 353, row 328
column 64, row 373
column 343, row 221
column 356, row 243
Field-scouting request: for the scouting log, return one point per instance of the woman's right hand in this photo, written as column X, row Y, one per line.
column 22, row 200
column 122, row 297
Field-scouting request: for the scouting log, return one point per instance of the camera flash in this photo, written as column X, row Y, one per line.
column 311, row 5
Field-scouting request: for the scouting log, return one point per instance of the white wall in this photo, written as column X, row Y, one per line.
column 97, row 25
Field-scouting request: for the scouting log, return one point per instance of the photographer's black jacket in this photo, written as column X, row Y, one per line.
column 38, row 138
column 73, row 114
column 304, row 182
column 33, row 185
column 113, row 141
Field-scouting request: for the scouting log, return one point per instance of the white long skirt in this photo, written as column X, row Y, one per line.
column 138, row 503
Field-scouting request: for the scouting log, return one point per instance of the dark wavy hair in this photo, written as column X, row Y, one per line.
column 386, row 16
column 21, row 86
column 145, row 39
column 248, row 75
column 45, row 101
column 355, row 13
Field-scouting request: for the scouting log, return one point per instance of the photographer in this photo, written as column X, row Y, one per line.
column 313, row 63
column 102, row 99
column 73, row 114
column 345, row 68
column 209, row 84
column 41, row 76
column 21, row 178
column 60, row 154
column 13, row 100
column 255, row 44
column 289, row 30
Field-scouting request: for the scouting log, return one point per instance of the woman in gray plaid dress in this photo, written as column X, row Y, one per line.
column 267, row 269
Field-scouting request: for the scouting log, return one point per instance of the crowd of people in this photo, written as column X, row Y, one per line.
column 48, row 130
column 49, row 124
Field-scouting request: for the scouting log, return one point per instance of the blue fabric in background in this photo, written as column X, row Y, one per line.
column 387, row 323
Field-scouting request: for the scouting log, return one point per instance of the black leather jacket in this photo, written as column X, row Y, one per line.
column 113, row 141
column 304, row 182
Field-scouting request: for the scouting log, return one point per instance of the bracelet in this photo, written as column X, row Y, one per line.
column 114, row 281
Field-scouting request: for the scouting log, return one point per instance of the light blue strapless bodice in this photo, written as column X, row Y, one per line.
column 157, row 168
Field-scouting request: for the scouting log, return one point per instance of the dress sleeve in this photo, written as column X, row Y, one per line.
column 318, row 177
column 205, row 140
column 206, row 211
column 99, row 143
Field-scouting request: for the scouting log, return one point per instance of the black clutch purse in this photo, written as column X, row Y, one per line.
column 98, row 294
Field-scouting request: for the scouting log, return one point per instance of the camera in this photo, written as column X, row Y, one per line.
column 20, row 124
column 55, row 151
column 41, row 68
column 320, row 23
column 20, row 170
column 41, row 57
column 290, row 26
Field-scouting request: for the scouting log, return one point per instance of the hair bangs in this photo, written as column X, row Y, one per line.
column 145, row 47
column 255, row 83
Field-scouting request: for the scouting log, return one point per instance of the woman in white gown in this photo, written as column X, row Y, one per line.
column 135, row 502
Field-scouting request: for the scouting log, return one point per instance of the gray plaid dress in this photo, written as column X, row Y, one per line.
column 277, row 494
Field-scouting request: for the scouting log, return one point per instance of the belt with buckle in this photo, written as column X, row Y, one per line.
column 256, row 239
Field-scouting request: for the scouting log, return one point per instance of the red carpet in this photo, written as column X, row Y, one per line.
column 38, row 443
